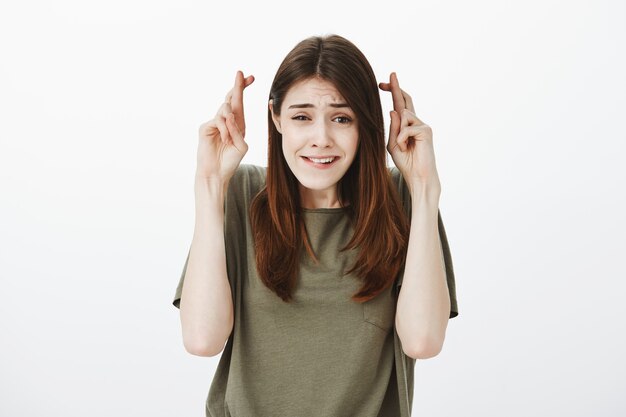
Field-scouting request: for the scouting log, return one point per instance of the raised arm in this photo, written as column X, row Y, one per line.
column 206, row 308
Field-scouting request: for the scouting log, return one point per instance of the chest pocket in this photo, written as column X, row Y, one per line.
column 381, row 310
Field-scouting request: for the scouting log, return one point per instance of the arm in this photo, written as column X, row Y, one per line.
column 206, row 302
column 206, row 307
column 423, row 303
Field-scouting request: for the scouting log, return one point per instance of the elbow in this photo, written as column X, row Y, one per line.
column 200, row 339
column 422, row 353
column 424, row 349
column 202, row 348
column 424, row 344
column 205, row 343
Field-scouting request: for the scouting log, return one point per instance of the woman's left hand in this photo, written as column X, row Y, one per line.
column 410, row 140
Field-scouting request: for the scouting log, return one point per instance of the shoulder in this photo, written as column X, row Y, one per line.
column 398, row 180
column 248, row 173
column 248, row 179
column 395, row 173
column 401, row 187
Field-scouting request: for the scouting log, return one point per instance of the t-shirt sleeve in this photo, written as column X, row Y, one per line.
column 179, row 288
column 405, row 197
column 234, row 222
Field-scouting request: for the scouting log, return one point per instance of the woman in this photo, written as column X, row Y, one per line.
column 298, row 267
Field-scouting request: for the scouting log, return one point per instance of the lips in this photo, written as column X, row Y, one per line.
column 320, row 157
column 323, row 159
column 321, row 164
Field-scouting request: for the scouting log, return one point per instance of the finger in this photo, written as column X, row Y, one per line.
column 224, row 110
column 236, row 100
column 396, row 93
column 408, row 101
column 384, row 86
column 409, row 132
column 248, row 80
column 207, row 128
column 400, row 138
column 413, row 120
column 404, row 118
column 224, row 134
column 394, row 129
column 229, row 96
column 236, row 134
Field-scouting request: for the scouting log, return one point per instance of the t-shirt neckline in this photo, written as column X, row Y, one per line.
column 325, row 209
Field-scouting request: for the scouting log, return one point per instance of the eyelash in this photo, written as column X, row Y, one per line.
column 342, row 117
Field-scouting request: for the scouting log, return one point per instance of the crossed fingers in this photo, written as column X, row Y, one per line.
column 231, row 111
column 233, row 102
column 404, row 122
column 401, row 99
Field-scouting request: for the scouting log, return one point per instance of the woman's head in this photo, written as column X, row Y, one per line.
column 321, row 72
column 319, row 137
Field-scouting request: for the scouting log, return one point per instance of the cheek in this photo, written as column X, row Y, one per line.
column 292, row 139
column 291, row 133
column 288, row 149
column 354, row 142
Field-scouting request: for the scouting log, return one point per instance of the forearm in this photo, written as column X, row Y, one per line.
column 206, row 307
column 423, row 304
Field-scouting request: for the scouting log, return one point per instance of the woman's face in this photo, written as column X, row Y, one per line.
column 316, row 122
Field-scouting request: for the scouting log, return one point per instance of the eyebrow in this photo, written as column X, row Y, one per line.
column 309, row 105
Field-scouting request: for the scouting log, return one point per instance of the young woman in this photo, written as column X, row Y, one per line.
column 327, row 274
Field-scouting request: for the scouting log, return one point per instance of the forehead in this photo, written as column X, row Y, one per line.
column 314, row 91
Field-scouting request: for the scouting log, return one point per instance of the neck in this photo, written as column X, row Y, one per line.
column 313, row 199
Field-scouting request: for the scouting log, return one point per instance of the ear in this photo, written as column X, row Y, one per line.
column 274, row 117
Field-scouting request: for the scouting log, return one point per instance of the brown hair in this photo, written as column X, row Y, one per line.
column 381, row 226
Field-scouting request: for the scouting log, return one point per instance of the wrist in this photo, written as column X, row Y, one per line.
column 214, row 184
column 430, row 190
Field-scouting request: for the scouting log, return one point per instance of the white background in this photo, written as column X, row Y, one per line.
column 100, row 104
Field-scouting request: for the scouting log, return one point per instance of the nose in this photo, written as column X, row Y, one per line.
column 322, row 135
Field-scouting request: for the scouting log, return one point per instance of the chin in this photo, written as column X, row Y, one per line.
column 317, row 181
column 318, row 184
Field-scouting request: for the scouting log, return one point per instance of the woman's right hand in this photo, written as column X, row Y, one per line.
column 221, row 145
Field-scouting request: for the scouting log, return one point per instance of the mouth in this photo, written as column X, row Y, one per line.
column 321, row 163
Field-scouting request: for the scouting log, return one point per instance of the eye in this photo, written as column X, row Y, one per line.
column 347, row 119
column 298, row 117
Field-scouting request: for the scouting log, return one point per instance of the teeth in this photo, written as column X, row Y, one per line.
column 321, row 161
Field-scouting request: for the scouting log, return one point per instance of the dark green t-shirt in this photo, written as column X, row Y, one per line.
column 323, row 354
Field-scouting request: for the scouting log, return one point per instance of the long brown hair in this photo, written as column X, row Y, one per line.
column 380, row 224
